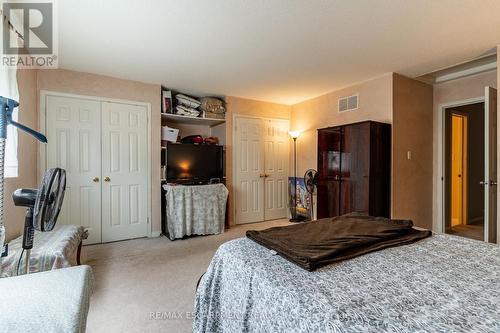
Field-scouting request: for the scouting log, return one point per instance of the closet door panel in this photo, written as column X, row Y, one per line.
column 276, row 158
column 249, row 170
column 73, row 133
column 124, row 169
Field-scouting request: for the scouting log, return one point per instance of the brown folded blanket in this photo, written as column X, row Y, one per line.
column 312, row 245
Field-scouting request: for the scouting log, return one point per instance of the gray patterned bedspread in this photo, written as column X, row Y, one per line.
column 440, row 284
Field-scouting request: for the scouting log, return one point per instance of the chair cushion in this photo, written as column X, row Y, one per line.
column 51, row 250
column 54, row 301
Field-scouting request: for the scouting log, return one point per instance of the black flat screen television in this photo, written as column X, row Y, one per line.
column 194, row 164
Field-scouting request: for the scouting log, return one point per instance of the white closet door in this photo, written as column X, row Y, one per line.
column 124, row 171
column 249, row 170
column 276, row 144
column 74, row 144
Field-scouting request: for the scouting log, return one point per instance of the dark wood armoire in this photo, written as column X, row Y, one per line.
column 354, row 167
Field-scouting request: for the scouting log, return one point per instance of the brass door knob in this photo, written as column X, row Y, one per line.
column 107, row 179
column 262, row 175
column 95, row 179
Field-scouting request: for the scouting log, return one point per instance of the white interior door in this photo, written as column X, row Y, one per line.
column 276, row 157
column 490, row 172
column 124, row 171
column 74, row 144
column 249, row 170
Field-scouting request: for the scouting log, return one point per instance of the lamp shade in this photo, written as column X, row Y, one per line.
column 294, row 134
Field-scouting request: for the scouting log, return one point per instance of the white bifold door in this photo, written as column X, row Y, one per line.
column 103, row 148
column 261, row 156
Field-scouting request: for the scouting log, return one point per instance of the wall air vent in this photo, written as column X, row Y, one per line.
column 348, row 103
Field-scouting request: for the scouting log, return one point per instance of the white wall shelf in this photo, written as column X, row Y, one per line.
column 177, row 119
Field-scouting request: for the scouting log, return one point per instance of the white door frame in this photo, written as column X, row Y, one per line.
column 233, row 142
column 441, row 176
column 42, row 125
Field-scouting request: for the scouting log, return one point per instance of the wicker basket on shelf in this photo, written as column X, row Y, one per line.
column 212, row 105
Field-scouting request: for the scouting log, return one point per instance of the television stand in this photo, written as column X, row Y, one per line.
column 194, row 182
column 193, row 210
column 191, row 183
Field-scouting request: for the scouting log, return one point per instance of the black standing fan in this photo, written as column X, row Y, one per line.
column 311, row 183
column 44, row 205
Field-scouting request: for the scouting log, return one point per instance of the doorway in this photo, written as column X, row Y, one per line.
column 464, row 151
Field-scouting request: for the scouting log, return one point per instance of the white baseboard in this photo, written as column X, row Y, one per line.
column 155, row 233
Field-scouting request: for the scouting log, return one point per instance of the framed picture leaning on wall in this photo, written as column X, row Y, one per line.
column 166, row 101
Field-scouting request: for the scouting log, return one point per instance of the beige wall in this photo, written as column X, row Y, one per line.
column 395, row 99
column 379, row 100
column 412, row 179
column 30, row 83
column 449, row 92
column 104, row 86
column 251, row 108
column 465, row 88
column 190, row 129
column 27, row 154
column 375, row 103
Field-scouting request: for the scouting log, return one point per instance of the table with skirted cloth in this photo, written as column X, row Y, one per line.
column 195, row 210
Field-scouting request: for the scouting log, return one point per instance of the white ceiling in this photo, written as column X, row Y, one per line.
column 283, row 51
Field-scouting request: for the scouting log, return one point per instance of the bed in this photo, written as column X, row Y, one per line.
column 440, row 284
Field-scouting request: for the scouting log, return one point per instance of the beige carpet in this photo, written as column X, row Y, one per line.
column 139, row 277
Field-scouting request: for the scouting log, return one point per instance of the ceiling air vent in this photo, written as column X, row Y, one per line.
column 348, row 103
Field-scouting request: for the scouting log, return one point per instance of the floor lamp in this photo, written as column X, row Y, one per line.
column 295, row 218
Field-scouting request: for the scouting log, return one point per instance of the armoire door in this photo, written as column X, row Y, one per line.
column 124, row 171
column 249, row 170
column 329, row 158
column 355, row 175
column 74, row 144
column 276, row 159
